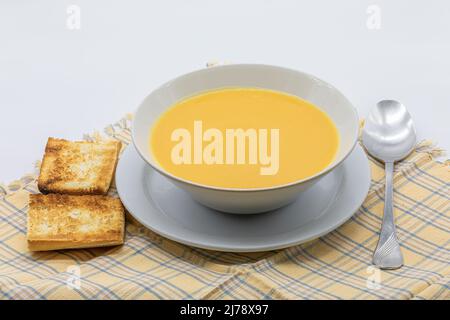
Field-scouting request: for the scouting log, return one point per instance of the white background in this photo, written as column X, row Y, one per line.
column 60, row 82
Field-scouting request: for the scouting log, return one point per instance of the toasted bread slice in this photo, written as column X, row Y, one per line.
column 78, row 168
column 67, row 222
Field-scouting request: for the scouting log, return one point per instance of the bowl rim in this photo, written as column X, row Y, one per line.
column 260, row 189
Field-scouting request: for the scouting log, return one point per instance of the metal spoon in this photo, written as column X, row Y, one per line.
column 388, row 135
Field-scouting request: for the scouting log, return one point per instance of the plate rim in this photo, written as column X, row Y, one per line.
column 243, row 249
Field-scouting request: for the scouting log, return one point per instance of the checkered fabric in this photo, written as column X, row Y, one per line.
column 336, row 266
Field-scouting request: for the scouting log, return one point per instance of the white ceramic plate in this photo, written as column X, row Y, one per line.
column 169, row 211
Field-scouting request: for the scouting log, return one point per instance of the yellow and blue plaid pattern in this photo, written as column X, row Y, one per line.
column 336, row 266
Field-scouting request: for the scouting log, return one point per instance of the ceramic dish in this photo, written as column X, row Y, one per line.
column 162, row 207
column 300, row 84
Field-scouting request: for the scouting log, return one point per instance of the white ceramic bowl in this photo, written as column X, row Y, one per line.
column 300, row 84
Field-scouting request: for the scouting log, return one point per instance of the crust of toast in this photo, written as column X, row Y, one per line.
column 78, row 168
column 68, row 222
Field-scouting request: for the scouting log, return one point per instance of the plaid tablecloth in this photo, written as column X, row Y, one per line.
column 336, row 266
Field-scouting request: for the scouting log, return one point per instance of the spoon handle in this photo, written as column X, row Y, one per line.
column 387, row 254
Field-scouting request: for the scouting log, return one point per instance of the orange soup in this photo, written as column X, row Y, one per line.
column 243, row 138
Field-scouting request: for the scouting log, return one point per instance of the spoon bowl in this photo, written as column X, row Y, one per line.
column 389, row 133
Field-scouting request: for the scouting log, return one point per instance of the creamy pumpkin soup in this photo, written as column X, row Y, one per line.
column 244, row 138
